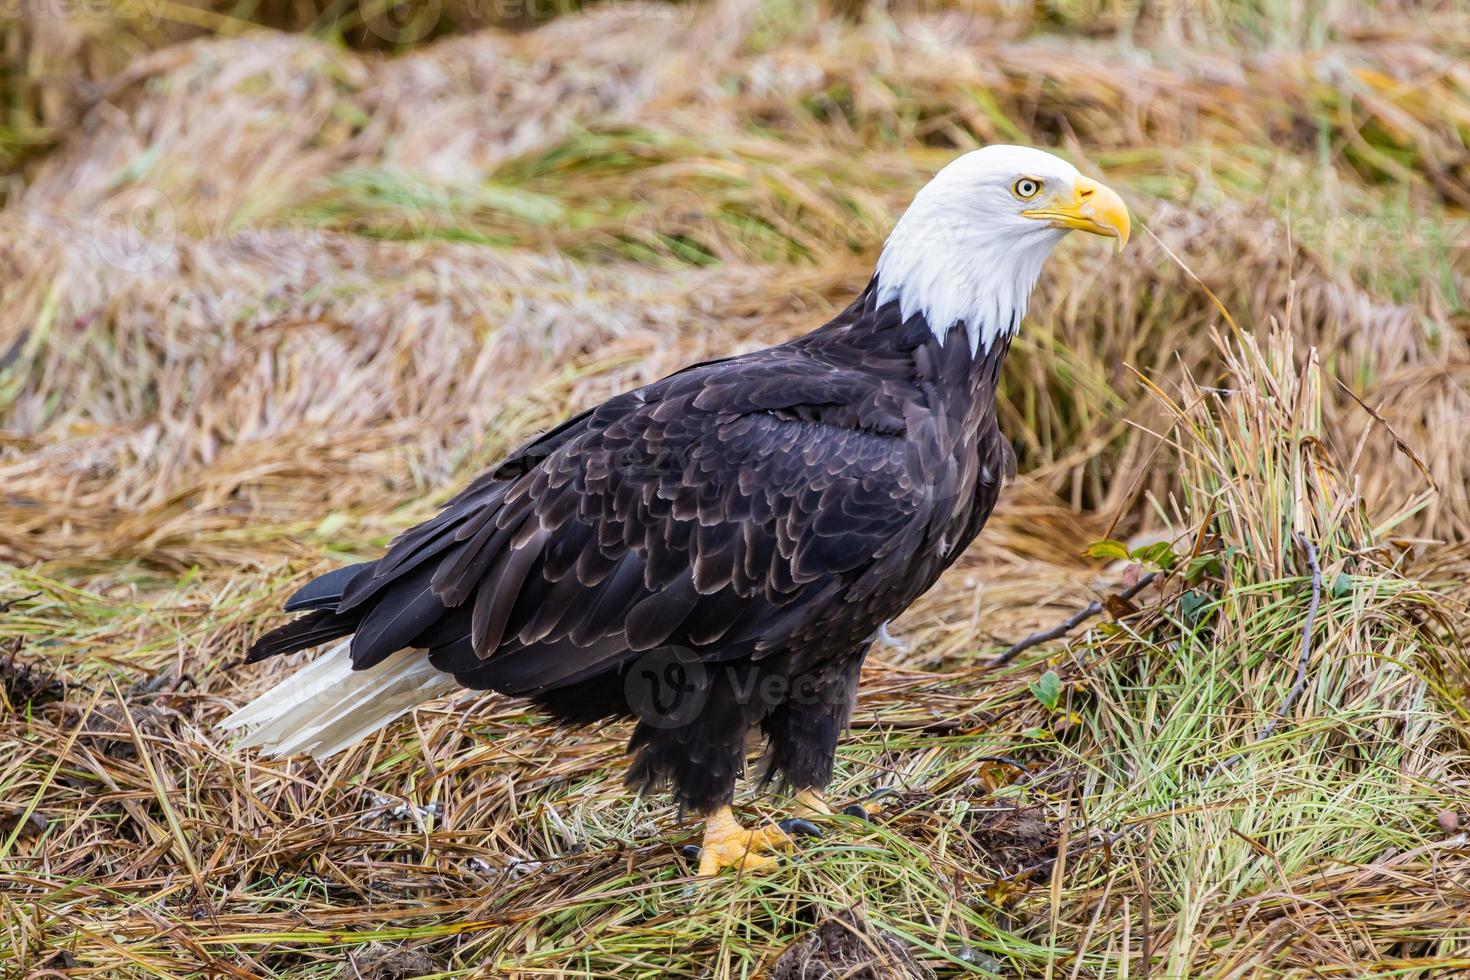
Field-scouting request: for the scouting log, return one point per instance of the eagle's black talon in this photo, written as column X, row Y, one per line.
column 797, row 825
column 690, row 852
column 868, row 807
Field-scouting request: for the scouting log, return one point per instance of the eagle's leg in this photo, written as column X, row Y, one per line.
column 729, row 845
column 701, row 757
column 802, row 732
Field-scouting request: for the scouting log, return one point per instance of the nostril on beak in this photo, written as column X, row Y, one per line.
column 1085, row 193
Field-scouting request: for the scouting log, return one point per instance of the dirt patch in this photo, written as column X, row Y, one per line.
column 1016, row 839
column 845, row 946
column 106, row 728
column 381, row 961
column 27, row 683
column 32, row 824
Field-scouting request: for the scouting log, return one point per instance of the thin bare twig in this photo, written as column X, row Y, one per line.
column 1092, row 609
column 8, row 603
column 1399, row 441
column 1303, row 658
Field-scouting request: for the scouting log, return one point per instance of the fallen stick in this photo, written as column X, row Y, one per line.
column 1070, row 623
column 1305, row 656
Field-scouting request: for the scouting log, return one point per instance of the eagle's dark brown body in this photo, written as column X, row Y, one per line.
column 708, row 553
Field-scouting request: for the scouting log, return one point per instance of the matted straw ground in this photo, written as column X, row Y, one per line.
column 267, row 301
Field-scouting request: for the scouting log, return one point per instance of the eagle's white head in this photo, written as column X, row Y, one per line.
column 969, row 249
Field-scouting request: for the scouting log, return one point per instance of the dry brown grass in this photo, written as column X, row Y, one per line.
column 278, row 298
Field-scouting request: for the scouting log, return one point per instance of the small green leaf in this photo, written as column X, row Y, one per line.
column 1159, row 554
column 1192, row 605
column 1048, row 689
column 1107, row 548
column 1342, row 585
column 1202, row 565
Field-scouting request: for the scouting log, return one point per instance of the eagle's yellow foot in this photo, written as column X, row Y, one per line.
column 729, row 845
column 809, row 803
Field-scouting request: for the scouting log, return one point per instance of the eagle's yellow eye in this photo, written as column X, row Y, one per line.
column 1026, row 188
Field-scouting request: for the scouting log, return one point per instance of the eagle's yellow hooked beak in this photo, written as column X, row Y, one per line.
column 1090, row 207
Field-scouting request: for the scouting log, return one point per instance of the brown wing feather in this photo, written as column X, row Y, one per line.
column 723, row 508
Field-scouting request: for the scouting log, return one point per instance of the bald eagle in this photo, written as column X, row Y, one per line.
column 716, row 551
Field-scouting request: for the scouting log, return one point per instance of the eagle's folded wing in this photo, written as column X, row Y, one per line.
column 718, row 509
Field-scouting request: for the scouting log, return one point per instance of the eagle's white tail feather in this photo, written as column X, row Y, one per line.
column 326, row 706
column 296, row 688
